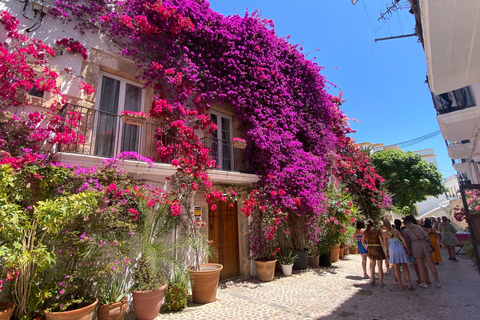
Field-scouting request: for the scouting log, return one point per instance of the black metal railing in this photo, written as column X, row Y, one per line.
column 452, row 101
column 226, row 156
column 103, row 134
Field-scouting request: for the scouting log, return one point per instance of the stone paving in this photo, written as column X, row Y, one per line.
column 339, row 292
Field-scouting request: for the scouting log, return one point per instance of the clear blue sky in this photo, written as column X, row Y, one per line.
column 383, row 83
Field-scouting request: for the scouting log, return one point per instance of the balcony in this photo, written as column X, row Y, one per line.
column 459, row 149
column 105, row 136
column 461, row 165
column 452, row 101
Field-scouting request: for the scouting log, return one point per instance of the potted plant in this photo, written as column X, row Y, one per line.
column 176, row 298
column 6, row 310
column 134, row 117
column 239, row 143
column 353, row 249
column 113, row 301
column 286, row 260
column 155, row 252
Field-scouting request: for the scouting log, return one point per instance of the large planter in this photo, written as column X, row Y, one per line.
column 353, row 250
column 6, row 310
column 346, row 251
column 147, row 304
column 336, row 253
column 205, row 282
column 341, row 253
column 326, row 259
column 287, row 269
column 85, row 313
column 265, row 270
column 114, row 311
column 239, row 144
column 301, row 263
column 313, row 261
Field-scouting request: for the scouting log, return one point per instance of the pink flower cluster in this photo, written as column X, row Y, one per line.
column 73, row 46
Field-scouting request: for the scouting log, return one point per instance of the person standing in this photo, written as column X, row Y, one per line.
column 448, row 237
column 418, row 241
column 361, row 249
column 396, row 252
column 372, row 239
column 434, row 240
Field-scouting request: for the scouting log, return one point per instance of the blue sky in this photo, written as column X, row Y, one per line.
column 383, row 83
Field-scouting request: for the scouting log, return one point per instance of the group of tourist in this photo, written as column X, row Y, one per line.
column 417, row 243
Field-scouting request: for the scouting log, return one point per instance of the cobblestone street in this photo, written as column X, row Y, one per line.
column 340, row 293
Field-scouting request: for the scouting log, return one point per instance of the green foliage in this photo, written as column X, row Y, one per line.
column 115, row 292
column 176, row 298
column 156, row 252
column 469, row 250
column 285, row 257
column 341, row 211
column 32, row 215
column 408, row 178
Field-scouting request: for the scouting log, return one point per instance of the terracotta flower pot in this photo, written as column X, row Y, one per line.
column 85, row 313
column 336, row 253
column 265, row 270
column 114, row 311
column 314, row 261
column 205, row 282
column 6, row 310
column 147, row 304
column 353, row 250
column 341, row 253
column 346, row 251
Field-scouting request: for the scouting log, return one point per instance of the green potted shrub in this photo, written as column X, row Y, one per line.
column 155, row 254
column 176, row 298
column 112, row 300
column 286, row 259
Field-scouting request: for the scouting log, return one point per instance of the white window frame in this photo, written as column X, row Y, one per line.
column 219, row 130
column 121, row 107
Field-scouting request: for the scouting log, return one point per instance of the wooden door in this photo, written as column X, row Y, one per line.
column 223, row 230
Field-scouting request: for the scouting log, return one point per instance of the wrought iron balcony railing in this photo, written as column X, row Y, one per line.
column 105, row 135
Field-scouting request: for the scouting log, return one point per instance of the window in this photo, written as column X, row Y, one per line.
column 221, row 145
column 112, row 135
column 36, row 92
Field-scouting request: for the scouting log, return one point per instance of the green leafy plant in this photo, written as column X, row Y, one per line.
column 469, row 250
column 32, row 215
column 155, row 251
column 176, row 298
column 115, row 292
column 285, row 257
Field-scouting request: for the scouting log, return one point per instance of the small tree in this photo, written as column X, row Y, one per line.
column 408, row 178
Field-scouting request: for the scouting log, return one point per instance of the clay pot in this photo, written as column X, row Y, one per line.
column 265, row 270
column 85, row 313
column 341, row 253
column 114, row 311
column 147, row 304
column 314, row 261
column 336, row 253
column 6, row 310
column 205, row 282
column 346, row 251
column 353, row 250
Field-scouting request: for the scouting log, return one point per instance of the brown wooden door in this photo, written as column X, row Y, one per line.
column 223, row 230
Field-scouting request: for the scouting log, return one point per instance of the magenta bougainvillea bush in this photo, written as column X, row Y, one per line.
column 191, row 53
column 195, row 57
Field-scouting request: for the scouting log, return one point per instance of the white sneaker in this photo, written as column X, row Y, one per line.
column 438, row 285
column 423, row 285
